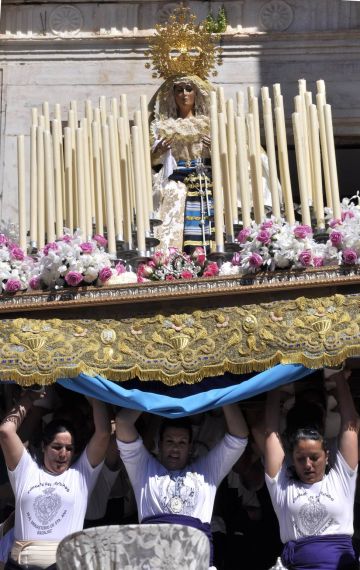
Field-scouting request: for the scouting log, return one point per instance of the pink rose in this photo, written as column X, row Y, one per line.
column 266, row 225
column 12, row 285
column 186, row 274
column 305, row 258
column 347, row 215
column 120, row 268
column 303, row 231
column 160, row 258
column 318, row 261
column 334, row 222
column 255, row 260
column 50, row 246
column 211, row 270
column 236, row 258
column 169, row 277
column 35, row 282
column 66, row 238
column 173, row 250
column 336, row 238
column 3, row 239
column 87, row 247
column 147, row 271
column 199, row 255
column 104, row 274
column 349, row 256
column 17, row 253
column 264, row 237
column 100, row 240
column 73, row 278
column 243, row 235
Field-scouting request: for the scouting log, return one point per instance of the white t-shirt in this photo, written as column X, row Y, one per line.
column 325, row 507
column 189, row 492
column 47, row 506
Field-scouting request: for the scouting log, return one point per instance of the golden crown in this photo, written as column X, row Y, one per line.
column 182, row 47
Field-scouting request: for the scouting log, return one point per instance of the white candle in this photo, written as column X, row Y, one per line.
column 108, row 191
column 284, row 160
column 46, row 114
column 61, row 147
column 68, row 166
column 231, row 147
column 49, row 188
column 21, row 192
column 103, row 112
column 40, row 186
column 89, row 119
column 270, row 149
column 147, row 153
column 256, row 178
column 332, row 162
column 300, row 162
column 87, row 187
column 34, row 116
column 33, row 186
column 59, row 218
column 216, row 180
column 213, row 99
column 116, row 182
column 125, row 115
column 139, row 199
column 221, row 99
column 320, row 84
column 73, row 108
column 243, row 170
column 97, row 179
column 320, row 103
column 75, row 206
column 225, row 178
column 316, row 161
column 80, row 177
column 146, row 203
column 128, row 219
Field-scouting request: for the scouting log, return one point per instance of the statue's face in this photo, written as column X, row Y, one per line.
column 184, row 93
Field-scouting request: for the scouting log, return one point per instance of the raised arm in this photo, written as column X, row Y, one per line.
column 10, row 441
column 235, row 421
column 125, row 425
column 98, row 444
column 273, row 449
column 348, row 436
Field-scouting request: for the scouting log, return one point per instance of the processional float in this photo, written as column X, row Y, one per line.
column 283, row 285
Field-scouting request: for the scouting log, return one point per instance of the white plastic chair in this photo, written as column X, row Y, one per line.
column 135, row 547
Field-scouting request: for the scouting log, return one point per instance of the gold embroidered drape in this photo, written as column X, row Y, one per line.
column 182, row 339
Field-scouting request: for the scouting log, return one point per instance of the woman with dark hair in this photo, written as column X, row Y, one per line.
column 313, row 500
column 50, row 496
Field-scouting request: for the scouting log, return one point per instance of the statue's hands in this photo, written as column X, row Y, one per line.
column 206, row 141
column 163, row 146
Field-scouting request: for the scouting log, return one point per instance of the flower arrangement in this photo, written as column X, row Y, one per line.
column 71, row 262
column 173, row 264
column 276, row 245
column 343, row 246
column 15, row 266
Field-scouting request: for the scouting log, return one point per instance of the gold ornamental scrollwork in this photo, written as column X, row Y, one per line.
column 184, row 346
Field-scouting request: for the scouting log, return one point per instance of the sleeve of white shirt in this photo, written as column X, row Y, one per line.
column 277, row 486
column 135, row 458
column 18, row 475
column 218, row 462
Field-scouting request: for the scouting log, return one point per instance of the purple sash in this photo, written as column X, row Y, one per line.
column 326, row 552
column 185, row 520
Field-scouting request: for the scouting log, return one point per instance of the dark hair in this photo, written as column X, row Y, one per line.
column 180, row 423
column 54, row 427
column 306, row 433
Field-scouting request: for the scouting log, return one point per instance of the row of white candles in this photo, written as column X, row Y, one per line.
column 95, row 171
column 98, row 170
column 236, row 148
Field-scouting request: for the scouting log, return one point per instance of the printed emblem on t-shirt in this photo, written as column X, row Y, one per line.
column 47, row 505
column 312, row 517
column 179, row 495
